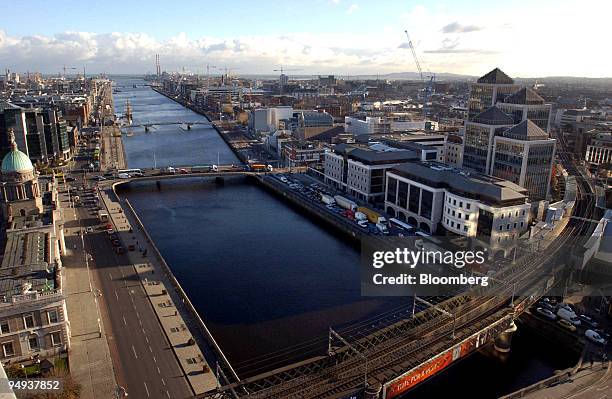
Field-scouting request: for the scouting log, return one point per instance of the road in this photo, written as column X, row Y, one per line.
column 144, row 362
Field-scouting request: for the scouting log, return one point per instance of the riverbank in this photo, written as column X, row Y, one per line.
column 230, row 139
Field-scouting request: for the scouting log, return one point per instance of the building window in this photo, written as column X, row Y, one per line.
column 455, row 202
column 521, row 224
column 468, row 205
column 515, row 225
column 500, row 227
column 465, row 228
column 508, row 226
column 28, row 321
column 453, row 213
column 33, row 342
column 4, row 327
column 52, row 316
column 7, row 349
column 467, row 217
column 460, row 204
column 56, row 338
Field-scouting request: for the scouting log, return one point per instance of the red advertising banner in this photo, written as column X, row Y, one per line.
column 432, row 367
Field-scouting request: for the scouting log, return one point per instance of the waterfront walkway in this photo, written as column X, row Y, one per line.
column 165, row 301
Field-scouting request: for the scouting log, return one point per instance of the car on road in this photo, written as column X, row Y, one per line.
column 89, row 229
column 110, row 231
column 594, row 337
column 567, row 325
column 547, row 305
column 546, row 313
column 98, row 178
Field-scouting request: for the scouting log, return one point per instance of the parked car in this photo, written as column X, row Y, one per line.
column 567, row 307
column 594, row 337
column 89, row 229
column 547, row 314
column 567, row 325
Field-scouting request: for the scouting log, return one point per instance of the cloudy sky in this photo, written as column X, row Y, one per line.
column 526, row 38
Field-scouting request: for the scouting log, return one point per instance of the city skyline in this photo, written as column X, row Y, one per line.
column 322, row 37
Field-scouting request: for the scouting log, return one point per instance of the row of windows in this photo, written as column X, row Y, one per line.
column 458, row 215
column 28, row 321
column 8, row 349
column 454, row 202
column 459, row 225
column 501, row 226
column 504, row 215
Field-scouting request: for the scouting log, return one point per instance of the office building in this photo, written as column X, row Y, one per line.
column 478, row 138
column 436, row 198
column 524, row 155
column 361, row 171
column 489, row 90
column 527, row 104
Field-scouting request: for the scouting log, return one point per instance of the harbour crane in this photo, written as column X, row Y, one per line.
column 429, row 86
column 282, row 77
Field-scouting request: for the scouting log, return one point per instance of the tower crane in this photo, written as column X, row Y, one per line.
column 429, row 86
column 282, row 76
column 64, row 69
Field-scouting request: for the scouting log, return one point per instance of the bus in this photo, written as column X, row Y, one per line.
column 402, row 225
column 131, row 172
column 261, row 168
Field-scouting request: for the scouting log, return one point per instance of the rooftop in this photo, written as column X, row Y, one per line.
column 26, row 264
column 372, row 157
column 496, row 76
column 525, row 96
column 488, row 189
column 493, row 116
column 526, row 130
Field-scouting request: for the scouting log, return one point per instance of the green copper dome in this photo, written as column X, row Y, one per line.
column 16, row 161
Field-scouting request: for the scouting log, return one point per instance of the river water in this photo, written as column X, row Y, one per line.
column 267, row 279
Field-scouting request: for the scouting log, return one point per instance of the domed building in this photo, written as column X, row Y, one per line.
column 19, row 189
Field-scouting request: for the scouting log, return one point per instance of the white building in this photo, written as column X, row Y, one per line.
column 435, row 198
column 267, row 119
column 361, row 171
column 599, row 150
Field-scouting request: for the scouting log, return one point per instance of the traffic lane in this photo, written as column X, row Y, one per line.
column 155, row 339
column 134, row 375
column 135, row 315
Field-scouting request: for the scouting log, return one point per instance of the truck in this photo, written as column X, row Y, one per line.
column 373, row 216
column 327, row 200
column 258, row 167
column 201, row 169
column 345, row 202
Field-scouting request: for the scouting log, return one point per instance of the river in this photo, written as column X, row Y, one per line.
column 267, row 279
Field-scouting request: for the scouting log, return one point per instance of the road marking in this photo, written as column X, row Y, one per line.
column 134, row 350
column 158, row 370
column 146, row 388
column 167, row 393
column 124, row 322
column 144, row 333
column 150, row 350
column 110, row 276
column 146, row 339
column 154, row 359
column 138, row 315
column 116, row 295
column 140, row 322
column 163, row 382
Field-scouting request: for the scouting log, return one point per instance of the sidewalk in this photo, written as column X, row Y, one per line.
column 89, row 355
column 162, row 296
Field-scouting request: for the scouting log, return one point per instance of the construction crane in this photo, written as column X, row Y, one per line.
column 282, row 77
column 65, row 67
column 429, row 86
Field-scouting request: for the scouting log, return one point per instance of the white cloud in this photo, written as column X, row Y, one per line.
column 352, row 8
column 536, row 45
